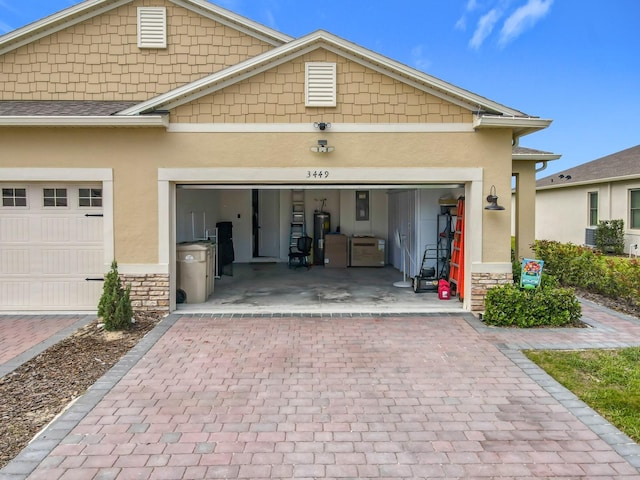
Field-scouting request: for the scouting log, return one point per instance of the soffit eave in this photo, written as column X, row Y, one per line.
column 86, row 121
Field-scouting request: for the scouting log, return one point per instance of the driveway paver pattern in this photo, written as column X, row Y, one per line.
column 439, row 396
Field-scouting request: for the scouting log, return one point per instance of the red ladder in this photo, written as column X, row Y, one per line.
column 456, row 270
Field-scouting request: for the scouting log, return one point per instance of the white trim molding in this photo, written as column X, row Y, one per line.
column 308, row 127
column 85, row 121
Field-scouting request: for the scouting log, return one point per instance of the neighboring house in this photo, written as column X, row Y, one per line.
column 570, row 203
column 130, row 126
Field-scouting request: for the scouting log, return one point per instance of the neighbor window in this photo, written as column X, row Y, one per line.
column 634, row 209
column 90, row 197
column 593, row 208
column 55, row 197
column 14, row 197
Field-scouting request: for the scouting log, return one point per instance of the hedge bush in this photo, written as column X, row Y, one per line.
column 582, row 267
column 548, row 305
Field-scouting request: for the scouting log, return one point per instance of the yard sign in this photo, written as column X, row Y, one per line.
column 531, row 273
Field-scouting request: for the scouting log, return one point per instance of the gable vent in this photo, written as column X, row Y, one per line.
column 152, row 27
column 320, row 84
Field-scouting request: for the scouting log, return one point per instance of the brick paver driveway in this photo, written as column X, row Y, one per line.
column 359, row 397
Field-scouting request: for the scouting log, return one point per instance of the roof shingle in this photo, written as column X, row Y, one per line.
column 48, row 108
column 621, row 164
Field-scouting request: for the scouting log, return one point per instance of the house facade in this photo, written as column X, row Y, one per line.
column 129, row 127
column 607, row 188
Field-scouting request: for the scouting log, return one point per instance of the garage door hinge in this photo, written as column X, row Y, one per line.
column 95, row 279
column 94, row 215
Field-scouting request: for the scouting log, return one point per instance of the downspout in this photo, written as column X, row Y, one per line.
column 544, row 166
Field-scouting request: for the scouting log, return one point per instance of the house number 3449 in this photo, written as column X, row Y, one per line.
column 317, row 174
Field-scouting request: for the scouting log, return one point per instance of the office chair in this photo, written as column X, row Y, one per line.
column 299, row 255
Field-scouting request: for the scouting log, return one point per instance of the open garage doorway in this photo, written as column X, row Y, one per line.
column 383, row 232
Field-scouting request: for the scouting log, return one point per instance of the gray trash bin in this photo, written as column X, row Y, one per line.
column 192, row 273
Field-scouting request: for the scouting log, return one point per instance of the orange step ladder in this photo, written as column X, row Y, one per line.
column 456, row 270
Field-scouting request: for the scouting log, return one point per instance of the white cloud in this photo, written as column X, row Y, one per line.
column 418, row 59
column 523, row 18
column 484, row 27
column 461, row 24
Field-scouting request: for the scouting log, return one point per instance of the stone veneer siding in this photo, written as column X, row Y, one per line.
column 481, row 282
column 149, row 292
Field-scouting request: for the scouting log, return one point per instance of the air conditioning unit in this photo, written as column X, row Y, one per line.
column 590, row 237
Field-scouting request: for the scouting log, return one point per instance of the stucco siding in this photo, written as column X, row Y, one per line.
column 136, row 155
column 363, row 95
column 562, row 214
column 99, row 59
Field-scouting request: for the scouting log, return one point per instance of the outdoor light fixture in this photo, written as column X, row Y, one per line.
column 492, row 198
column 322, row 125
column 322, row 147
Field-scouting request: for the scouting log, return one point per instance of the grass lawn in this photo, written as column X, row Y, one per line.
column 606, row 380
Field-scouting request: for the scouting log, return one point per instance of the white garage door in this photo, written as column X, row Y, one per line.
column 51, row 247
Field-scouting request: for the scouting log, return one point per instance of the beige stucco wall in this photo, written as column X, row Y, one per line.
column 363, row 95
column 524, row 207
column 136, row 154
column 99, row 59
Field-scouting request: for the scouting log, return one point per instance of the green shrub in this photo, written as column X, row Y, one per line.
column 547, row 305
column 590, row 270
column 610, row 236
column 115, row 303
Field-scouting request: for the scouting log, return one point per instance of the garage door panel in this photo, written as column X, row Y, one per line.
column 15, row 294
column 71, row 261
column 88, row 229
column 14, row 261
column 55, row 229
column 15, row 229
column 64, row 292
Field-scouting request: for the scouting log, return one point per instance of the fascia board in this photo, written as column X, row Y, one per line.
column 56, row 22
column 299, row 47
column 85, row 121
column 235, row 21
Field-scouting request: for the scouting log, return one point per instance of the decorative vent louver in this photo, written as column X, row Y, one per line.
column 152, row 27
column 321, row 85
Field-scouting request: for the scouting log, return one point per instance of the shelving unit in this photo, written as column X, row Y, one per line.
column 298, row 223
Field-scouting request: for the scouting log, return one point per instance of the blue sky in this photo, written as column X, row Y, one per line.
column 576, row 62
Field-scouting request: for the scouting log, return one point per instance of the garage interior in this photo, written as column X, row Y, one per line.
column 371, row 246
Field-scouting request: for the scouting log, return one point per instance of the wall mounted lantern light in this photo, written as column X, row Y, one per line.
column 492, row 198
column 322, row 147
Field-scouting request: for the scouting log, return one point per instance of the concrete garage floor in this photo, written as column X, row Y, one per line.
column 273, row 288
